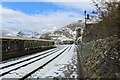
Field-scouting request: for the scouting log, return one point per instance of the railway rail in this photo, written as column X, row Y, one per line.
column 47, row 57
column 6, row 71
column 27, row 75
column 26, row 59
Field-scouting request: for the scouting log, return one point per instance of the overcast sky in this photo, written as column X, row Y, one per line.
column 42, row 15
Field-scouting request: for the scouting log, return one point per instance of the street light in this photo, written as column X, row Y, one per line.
column 86, row 17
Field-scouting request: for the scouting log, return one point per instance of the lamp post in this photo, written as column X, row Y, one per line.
column 85, row 17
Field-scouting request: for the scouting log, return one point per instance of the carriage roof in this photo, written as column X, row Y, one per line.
column 23, row 38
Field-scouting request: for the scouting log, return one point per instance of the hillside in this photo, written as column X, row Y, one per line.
column 67, row 32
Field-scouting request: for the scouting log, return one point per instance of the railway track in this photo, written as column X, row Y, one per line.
column 5, row 71
column 26, row 59
column 31, row 60
column 27, row 75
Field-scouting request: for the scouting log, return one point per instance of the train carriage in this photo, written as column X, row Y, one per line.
column 68, row 41
column 18, row 46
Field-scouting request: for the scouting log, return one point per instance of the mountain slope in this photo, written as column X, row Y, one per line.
column 68, row 31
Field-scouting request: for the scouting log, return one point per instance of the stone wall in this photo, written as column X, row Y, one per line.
column 102, row 58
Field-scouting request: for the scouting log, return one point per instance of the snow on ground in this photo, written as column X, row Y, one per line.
column 25, row 70
column 12, row 61
column 60, row 67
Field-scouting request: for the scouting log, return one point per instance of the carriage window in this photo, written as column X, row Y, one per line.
column 14, row 46
column 4, row 45
column 0, row 45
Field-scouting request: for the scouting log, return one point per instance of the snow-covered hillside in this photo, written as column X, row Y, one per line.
column 23, row 33
column 67, row 32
